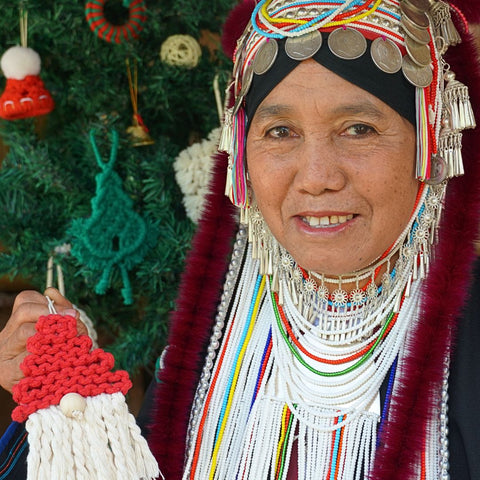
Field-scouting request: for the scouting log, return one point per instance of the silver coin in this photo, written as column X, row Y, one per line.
column 347, row 43
column 386, row 55
column 418, row 76
column 419, row 53
column 418, row 18
column 418, row 34
column 303, row 47
column 421, row 6
column 238, row 104
column 265, row 56
column 438, row 171
column 246, row 80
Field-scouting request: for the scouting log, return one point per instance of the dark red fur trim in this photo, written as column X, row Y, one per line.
column 469, row 8
column 235, row 24
column 445, row 294
column 191, row 327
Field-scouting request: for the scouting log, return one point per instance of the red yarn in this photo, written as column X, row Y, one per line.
column 61, row 362
column 25, row 98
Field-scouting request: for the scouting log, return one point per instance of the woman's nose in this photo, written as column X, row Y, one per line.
column 319, row 167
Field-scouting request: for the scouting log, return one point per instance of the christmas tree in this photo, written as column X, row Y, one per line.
column 49, row 168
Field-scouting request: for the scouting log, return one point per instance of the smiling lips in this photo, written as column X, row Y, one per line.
column 327, row 220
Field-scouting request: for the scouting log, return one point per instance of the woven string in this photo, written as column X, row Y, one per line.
column 61, row 362
column 25, row 98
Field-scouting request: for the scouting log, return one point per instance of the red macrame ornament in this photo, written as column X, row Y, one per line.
column 62, row 362
column 76, row 416
column 25, row 94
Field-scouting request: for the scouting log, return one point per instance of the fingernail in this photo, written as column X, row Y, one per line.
column 70, row 311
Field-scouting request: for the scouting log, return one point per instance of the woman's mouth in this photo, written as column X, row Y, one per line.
column 325, row 221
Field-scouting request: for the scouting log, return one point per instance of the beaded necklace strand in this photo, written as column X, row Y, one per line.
column 283, row 435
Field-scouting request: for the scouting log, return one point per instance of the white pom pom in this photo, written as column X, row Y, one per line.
column 18, row 62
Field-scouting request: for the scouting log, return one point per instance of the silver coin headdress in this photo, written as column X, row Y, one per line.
column 410, row 36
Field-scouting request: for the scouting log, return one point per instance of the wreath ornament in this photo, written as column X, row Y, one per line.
column 94, row 13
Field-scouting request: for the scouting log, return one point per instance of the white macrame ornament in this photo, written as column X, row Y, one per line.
column 78, row 423
column 193, row 168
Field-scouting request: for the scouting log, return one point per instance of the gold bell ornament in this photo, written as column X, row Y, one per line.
column 138, row 132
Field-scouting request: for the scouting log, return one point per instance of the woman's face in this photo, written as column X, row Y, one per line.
column 332, row 170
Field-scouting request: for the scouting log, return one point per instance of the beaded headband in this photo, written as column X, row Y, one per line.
column 410, row 36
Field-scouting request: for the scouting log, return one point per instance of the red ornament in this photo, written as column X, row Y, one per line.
column 116, row 33
column 62, row 362
column 25, row 94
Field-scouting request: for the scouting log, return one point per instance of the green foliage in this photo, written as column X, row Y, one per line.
column 47, row 179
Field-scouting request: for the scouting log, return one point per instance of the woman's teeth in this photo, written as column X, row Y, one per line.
column 325, row 221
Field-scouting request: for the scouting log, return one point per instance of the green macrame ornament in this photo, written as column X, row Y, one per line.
column 114, row 235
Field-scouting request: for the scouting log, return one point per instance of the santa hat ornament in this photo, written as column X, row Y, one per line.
column 77, row 420
column 25, row 94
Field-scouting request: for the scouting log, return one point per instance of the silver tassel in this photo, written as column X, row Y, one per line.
column 457, row 102
column 275, row 279
column 225, row 143
column 228, row 182
column 443, row 24
column 450, row 148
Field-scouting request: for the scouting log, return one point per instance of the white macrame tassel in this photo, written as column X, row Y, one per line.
column 100, row 442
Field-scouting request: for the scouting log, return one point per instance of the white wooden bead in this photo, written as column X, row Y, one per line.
column 73, row 405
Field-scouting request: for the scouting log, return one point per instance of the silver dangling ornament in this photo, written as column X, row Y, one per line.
column 457, row 102
column 443, row 24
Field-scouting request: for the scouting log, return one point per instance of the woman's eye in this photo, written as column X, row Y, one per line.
column 359, row 129
column 279, row 132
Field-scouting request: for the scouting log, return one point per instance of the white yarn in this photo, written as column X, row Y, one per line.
column 103, row 443
column 18, row 62
column 193, row 171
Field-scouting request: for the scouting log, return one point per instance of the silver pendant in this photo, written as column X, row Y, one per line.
column 245, row 86
column 438, row 171
column 386, row 55
column 303, row 47
column 418, row 76
column 246, row 80
column 347, row 43
column 419, row 53
column 265, row 56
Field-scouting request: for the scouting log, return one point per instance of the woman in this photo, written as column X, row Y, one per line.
column 330, row 352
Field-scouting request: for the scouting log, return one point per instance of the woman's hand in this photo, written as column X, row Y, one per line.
column 27, row 308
